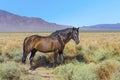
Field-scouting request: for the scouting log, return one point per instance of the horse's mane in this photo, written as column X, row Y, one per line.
column 62, row 32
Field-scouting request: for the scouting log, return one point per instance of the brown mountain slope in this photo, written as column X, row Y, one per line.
column 14, row 23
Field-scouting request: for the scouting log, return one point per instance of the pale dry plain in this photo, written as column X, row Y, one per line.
column 96, row 57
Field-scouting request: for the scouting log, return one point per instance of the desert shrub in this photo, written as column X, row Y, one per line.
column 100, row 55
column 9, row 71
column 106, row 69
column 12, row 51
column 15, row 55
column 104, row 54
column 116, row 75
column 10, row 47
column 117, row 58
column 85, row 72
column 23, row 69
column 70, row 49
column 79, row 47
column 87, row 54
column 3, row 58
column 77, row 71
column 0, row 51
column 96, row 54
column 15, row 52
column 65, row 71
column 17, row 58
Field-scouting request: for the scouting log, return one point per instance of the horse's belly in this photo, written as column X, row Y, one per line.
column 47, row 46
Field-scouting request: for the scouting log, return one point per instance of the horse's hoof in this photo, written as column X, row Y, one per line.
column 32, row 68
column 54, row 66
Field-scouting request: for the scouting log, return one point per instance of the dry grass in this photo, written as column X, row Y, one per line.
column 94, row 47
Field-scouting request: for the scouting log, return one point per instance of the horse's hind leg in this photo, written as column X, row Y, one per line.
column 31, row 58
column 25, row 54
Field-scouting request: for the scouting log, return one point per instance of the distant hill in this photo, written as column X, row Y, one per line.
column 102, row 27
column 10, row 22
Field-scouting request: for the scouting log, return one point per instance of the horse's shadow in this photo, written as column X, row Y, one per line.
column 43, row 61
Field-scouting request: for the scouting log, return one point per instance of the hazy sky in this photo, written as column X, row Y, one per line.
column 67, row 12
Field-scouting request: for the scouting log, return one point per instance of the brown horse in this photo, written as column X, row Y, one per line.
column 52, row 43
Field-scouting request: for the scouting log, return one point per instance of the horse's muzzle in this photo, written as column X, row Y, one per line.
column 77, row 42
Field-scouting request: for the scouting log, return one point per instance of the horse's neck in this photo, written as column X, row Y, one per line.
column 67, row 39
column 63, row 37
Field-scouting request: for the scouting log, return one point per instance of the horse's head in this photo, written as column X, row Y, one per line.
column 75, row 35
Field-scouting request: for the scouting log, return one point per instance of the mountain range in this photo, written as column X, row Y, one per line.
column 103, row 27
column 10, row 22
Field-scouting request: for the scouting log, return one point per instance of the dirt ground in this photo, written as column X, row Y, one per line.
column 44, row 73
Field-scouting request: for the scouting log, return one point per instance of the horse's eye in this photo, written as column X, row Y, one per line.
column 76, row 32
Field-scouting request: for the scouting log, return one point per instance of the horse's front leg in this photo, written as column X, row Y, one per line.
column 55, row 58
column 61, row 57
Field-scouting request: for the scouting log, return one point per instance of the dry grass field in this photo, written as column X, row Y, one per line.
column 96, row 57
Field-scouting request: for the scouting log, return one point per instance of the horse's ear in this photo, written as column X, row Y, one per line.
column 73, row 28
column 78, row 28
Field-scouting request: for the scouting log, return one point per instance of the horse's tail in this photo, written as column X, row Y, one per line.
column 25, row 51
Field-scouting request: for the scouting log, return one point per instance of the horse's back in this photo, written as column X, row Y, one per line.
column 42, row 43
